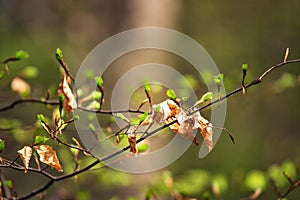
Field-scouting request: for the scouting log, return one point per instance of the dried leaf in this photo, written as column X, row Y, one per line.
column 69, row 99
column 25, row 155
column 20, row 86
column 205, row 127
column 132, row 142
column 164, row 110
column 48, row 156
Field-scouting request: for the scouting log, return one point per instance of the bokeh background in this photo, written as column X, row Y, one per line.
column 264, row 122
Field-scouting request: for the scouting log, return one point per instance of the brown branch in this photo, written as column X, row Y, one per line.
column 293, row 185
column 100, row 160
column 29, row 100
column 254, row 82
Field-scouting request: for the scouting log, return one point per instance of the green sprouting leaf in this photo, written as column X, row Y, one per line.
column 89, row 74
column 142, row 147
column 157, row 108
column 94, row 105
column 219, row 183
column 29, row 72
column 147, row 87
column 58, row 54
column 40, row 139
column 276, row 174
column 99, row 81
column 255, row 180
column 143, row 116
column 96, row 95
column 171, row 94
column 148, row 194
column 8, row 183
column 289, row 168
column 8, row 123
column 134, row 121
column 92, row 127
column 121, row 116
column 41, row 117
column 61, row 99
column 112, row 119
column 2, row 145
column 206, row 195
column 244, row 67
column 76, row 117
column 2, row 73
column 286, row 81
column 207, row 96
column 21, row 55
column 193, row 182
column 218, row 79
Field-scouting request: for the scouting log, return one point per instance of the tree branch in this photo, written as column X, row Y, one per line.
column 53, row 179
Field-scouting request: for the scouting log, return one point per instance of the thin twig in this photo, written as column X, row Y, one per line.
column 53, row 179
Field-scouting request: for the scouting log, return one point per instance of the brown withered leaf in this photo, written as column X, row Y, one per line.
column 25, row 154
column 69, row 99
column 205, row 127
column 132, row 143
column 164, row 110
column 20, row 86
column 48, row 156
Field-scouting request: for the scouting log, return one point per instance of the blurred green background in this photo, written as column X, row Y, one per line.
column 264, row 122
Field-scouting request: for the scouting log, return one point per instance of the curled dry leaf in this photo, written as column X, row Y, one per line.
column 25, row 154
column 48, row 156
column 205, row 127
column 182, row 124
column 69, row 99
column 20, row 86
column 132, row 142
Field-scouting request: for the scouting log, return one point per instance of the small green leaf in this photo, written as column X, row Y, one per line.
column 76, row 117
column 147, row 87
column 142, row 117
column 289, row 168
column 40, row 140
column 92, row 127
column 96, row 95
column 276, row 175
column 134, row 121
column 21, row 55
column 99, row 81
column 255, row 180
column 218, row 79
column 8, row 183
column 41, row 117
column 61, row 99
column 121, row 116
column 207, row 96
column 112, row 119
column 89, row 74
column 244, row 67
column 94, row 105
column 2, row 73
column 58, row 54
column 2, row 145
column 171, row 94
column 30, row 72
column 142, row 147
column 219, row 183
column 157, row 108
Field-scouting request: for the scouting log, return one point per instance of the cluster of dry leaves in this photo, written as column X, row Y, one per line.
column 46, row 153
column 169, row 112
